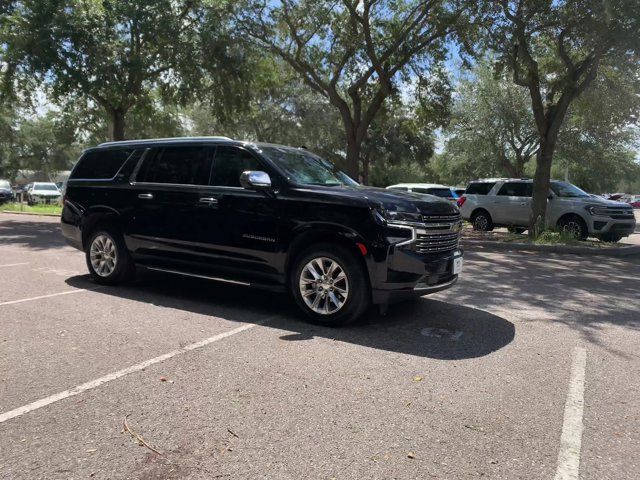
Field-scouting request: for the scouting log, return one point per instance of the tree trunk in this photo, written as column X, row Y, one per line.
column 541, row 182
column 354, row 148
column 116, row 124
column 366, row 166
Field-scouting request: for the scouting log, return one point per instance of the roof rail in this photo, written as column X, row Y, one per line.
column 168, row 139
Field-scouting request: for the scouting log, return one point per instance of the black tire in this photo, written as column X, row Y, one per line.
column 574, row 225
column 355, row 303
column 610, row 237
column 123, row 266
column 481, row 221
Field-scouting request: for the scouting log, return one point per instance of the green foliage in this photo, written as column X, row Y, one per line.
column 115, row 53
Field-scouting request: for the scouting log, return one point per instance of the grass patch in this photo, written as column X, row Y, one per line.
column 22, row 207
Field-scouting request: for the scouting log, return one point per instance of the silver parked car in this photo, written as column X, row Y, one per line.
column 507, row 202
column 43, row 192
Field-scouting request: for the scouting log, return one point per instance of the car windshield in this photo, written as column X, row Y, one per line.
column 5, row 184
column 304, row 168
column 564, row 189
column 45, row 186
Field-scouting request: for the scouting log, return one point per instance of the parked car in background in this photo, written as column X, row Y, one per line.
column 635, row 201
column 261, row 215
column 441, row 191
column 43, row 192
column 6, row 193
column 459, row 191
column 507, row 202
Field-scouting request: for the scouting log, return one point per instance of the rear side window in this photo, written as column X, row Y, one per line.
column 516, row 189
column 176, row 165
column 399, row 189
column 228, row 165
column 438, row 192
column 479, row 188
column 100, row 164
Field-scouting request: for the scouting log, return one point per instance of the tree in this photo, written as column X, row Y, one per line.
column 113, row 52
column 555, row 49
column 355, row 53
column 491, row 131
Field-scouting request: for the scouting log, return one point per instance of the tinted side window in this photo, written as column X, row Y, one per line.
column 516, row 189
column 228, row 165
column 179, row 165
column 479, row 188
column 438, row 192
column 100, row 165
column 400, row 189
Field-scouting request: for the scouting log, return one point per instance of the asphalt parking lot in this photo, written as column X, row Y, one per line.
column 495, row 378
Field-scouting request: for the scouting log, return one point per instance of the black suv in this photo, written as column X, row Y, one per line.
column 261, row 215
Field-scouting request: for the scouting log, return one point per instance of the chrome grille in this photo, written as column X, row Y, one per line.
column 439, row 234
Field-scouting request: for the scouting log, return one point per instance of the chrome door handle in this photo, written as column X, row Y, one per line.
column 209, row 200
column 145, row 196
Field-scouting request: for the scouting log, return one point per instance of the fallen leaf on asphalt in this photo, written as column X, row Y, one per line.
column 91, row 450
column 411, row 455
column 493, row 462
column 474, row 427
column 163, row 379
column 418, row 378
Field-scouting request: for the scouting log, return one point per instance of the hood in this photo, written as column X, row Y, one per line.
column 595, row 200
column 390, row 200
column 35, row 191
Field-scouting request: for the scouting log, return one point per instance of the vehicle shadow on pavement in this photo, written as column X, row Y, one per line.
column 36, row 235
column 587, row 294
column 420, row 327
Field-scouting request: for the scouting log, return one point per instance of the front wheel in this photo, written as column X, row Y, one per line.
column 107, row 257
column 329, row 285
column 574, row 226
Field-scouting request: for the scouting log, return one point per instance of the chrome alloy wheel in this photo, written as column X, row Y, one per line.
column 573, row 228
column 324, row 285
column 481, row 223
column 103, row 255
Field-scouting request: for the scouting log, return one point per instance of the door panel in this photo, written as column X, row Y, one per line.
column 513, row 203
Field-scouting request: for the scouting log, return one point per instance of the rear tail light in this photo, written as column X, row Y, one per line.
column 461, row 201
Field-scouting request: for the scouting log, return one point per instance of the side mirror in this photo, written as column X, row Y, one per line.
column 255, row 180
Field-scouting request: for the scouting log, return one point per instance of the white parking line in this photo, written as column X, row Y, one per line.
column 17, row 412
column 571, row 438
column 30, row 299
column 14, row 264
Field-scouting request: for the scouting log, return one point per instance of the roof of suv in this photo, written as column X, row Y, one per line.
column 419, row 185
column 146, row 141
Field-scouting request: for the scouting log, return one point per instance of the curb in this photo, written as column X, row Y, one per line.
column 11, row 212
column 567, row 249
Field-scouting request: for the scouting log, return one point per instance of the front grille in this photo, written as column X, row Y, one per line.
column 439, row 234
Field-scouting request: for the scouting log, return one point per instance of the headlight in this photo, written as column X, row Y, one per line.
column 395, row 217
column 398, row 226
column 597, row 211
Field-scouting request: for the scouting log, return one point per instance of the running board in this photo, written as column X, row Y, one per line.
column 195, row 275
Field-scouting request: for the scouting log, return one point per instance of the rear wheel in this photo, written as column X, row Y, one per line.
column 481, row 221
column 575, row 226
column 107, row 257
column 329, row 285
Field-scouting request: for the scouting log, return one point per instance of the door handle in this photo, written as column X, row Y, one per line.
column 209, row 200
column 145, row 196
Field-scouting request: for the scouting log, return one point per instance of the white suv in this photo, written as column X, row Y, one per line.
column 507, row 202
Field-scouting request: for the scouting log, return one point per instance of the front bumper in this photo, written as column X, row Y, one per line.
column 599, row 225
column 410, row 274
